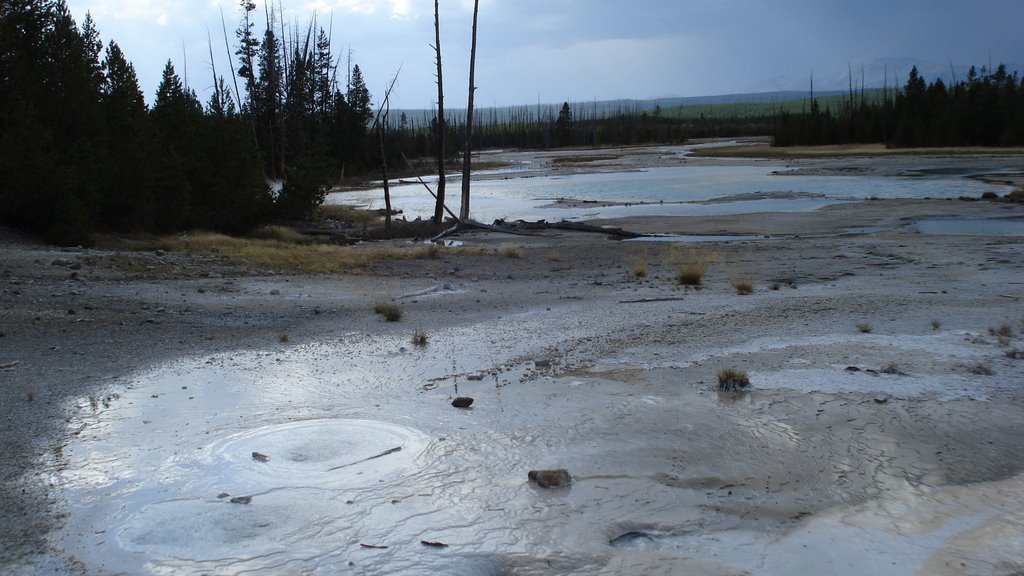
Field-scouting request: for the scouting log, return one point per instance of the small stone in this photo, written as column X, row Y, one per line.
column 241, row 500
column 222, row 495
column 551, row 478
column 852, row 369
column 462, row 402
column 275, row 292
column 881, row 400
column 542, row 363
column 257, row 457
column 71, row 312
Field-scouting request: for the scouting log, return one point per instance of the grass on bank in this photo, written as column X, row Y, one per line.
column 283, row 249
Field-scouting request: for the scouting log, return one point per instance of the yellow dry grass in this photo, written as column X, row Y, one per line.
column 305, row 257
column 692, row 262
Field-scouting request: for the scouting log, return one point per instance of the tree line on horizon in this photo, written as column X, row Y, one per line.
column 984, row 109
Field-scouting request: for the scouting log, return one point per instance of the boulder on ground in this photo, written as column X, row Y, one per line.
column 551, row 478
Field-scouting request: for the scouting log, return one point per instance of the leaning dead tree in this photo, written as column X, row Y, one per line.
column 442, row 129
column 381, row 123
column 464, row 212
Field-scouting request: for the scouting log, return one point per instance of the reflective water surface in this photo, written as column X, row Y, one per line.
column 681, row 190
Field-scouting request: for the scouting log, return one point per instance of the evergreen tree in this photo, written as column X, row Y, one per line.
column 563, row 126
column 128, row 194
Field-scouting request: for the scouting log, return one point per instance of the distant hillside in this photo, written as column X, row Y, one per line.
column 549, row 111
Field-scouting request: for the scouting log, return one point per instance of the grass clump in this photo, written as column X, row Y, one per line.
column 419, row 338
column 865, row 328
column 280, row 234
column 554, row 257
column 298, row 254
column 510, row 251
column 358, row 217
column 390, row 312
column 981, row 370
column 283, row 338
column 690, row 276
column 693, row 264
column 893, row 369
column 743, row 288
column 640, row 270
column 731, row 380
column 936, row 325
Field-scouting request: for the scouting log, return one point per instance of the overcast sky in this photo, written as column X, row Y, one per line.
column 581, row 50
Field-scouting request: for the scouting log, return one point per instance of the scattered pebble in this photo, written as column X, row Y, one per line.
column 241, row 500
column 257, row 457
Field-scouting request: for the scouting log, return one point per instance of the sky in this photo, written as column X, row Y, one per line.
column 550, row 51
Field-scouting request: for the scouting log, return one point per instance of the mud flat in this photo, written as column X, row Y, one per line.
column 157, row 422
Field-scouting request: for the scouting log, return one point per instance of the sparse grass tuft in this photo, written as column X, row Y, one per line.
column 510, row 251
column 353, row 216
column 31, row 396
column 419, row 338
column 693, row 264
column 981, row 370
column 1015, row 354
column 731, row 380
column 893, row 369
column 936, row 325
column 743, row 288
column 282, row 338
column 640, row 270
column 554, row 257
column 280, row 234
column 1004, row 331
column 390, row 312
column 864, row 328
column 690, row 276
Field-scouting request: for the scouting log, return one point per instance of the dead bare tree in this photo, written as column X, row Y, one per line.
column 442, row 129
column 466, row 164
column 380, row 124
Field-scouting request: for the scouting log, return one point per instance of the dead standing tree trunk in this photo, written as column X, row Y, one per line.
column 464, row 212
column 442, row 129
column 380, row 123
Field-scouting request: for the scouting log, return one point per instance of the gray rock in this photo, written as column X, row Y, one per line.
column 257, row 457
column 550, row 478
column 241, row 500
column 462, row 402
